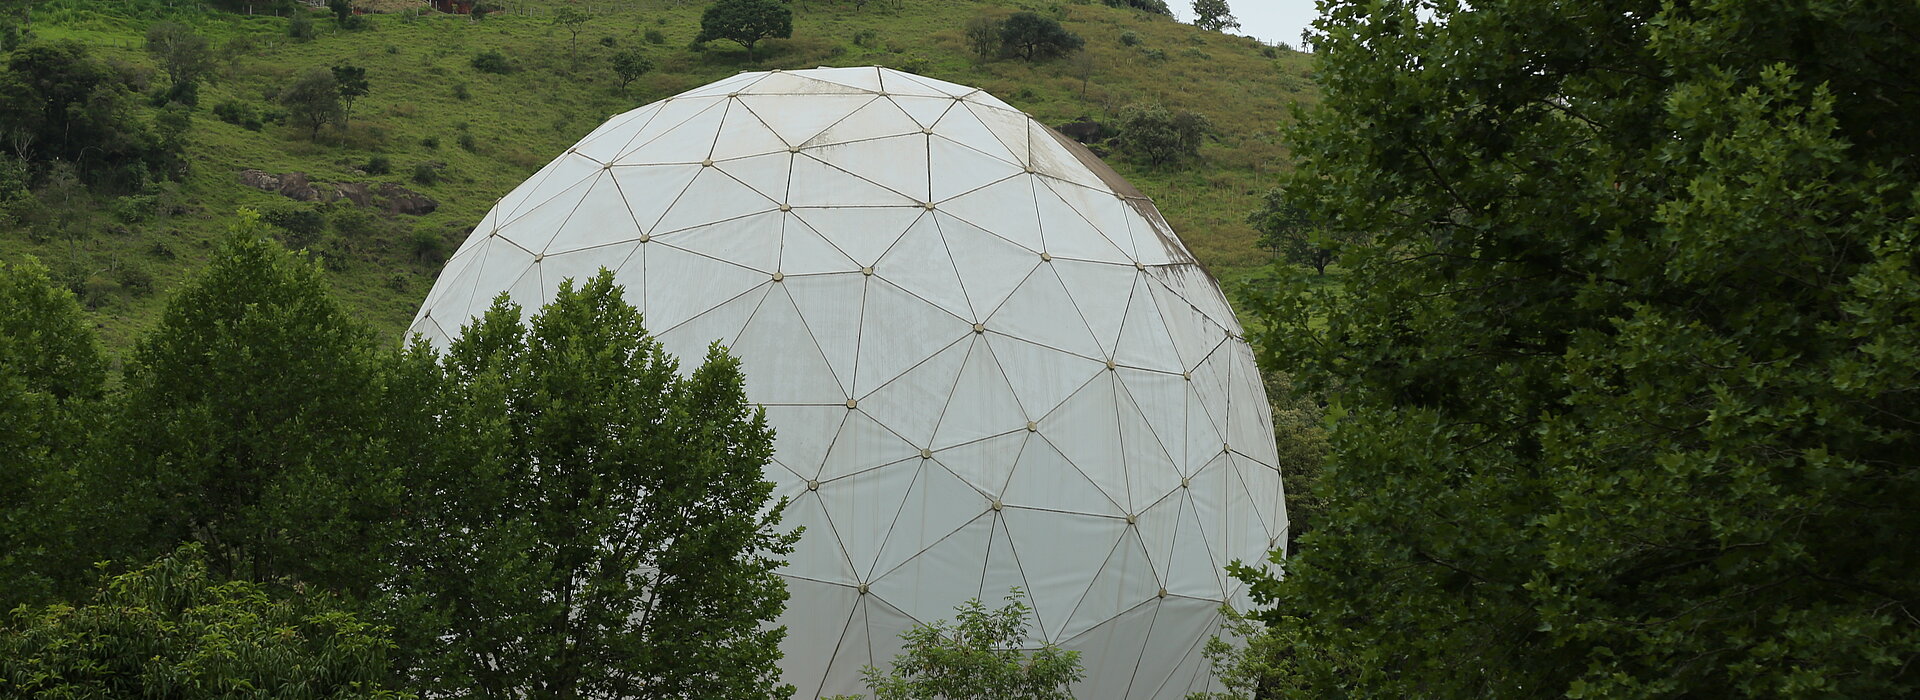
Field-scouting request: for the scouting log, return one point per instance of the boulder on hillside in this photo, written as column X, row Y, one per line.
column 300, row 187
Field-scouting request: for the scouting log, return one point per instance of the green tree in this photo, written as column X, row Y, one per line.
column 983, row 36
column 343, row 14
column 313, row 100
column 52, row 381
column 977, row 657
column 573, row 20
column 251, row 423
column 58, row 102
column 184, row 56
column 1156, row 135
column 172, row 629
column 1214, row 15
column 630, row 65
column 353, row 86
column 745, row 22
column 1284, row 228
column 1033, row 37
column 591, row 523
column 1623, row 392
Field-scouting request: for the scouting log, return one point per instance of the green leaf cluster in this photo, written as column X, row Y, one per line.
column 1623, row 394
column 977, row 657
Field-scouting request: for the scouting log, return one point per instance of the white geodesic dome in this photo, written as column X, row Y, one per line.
column 990, row 361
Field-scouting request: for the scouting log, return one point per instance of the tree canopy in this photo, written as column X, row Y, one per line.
column 1033, row 37
column 1623, row 388
column 977, row 657
column 746, row 22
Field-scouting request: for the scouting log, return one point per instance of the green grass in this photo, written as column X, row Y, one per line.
column 520, row 120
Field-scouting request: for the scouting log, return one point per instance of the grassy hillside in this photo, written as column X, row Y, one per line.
column 483, row 133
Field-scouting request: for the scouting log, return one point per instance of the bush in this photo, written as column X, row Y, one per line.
column 608, row 41
column 655, row 36
column 300, row 26
column 135, row 208
column 492, row 61
column 1155, row 135
column 630, row 65
column 1128, row 38
column 468, row 143
column 427, row 246
column 427, row 173
column 1158, row 7
column 866, row 38
column 1155, row 55
column 302, row 224
column 378, row 165
column 241, row 114
column 460, row 92
column 133, row 277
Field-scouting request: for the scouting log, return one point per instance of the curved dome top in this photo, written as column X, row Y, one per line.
column 989, row 360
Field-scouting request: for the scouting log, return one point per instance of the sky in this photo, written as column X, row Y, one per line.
column 1267, row 20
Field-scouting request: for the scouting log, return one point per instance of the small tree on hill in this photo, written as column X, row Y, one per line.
column 977, row 657
column 983, row 36
column 1285, row 229
column 343, row 14
column 1156, row 135
column 573, row 20
column 1033, row 37
column 1214, row 16
column 353, row 85
column 313, row 100
column 184, row 56
column 630, row 65
column 745, row 22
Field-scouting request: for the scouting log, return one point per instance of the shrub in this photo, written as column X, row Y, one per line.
column 300, row 26
column 866, row 38
column 608, row 41
column 1128, row 38
column 1158, row 7
column 460, row 92
column 378, row 165
column 427, row 173
column 1155, row 55
column 1155, row 135
column 133, row 277
column 427, row 246
column 303, row 224
column 467, row 142
column 655, row 36
column 492, row 61
column 135, row 208
column 430, row 143
column 241, row 114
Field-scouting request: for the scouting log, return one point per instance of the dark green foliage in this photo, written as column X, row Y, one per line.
column 1129, row 38
column 428, row 173
column 300, row 26
column 745, row 22
column 250, row 423
column 630, row 65
column 1158, row 7
column 977, row 657
column 867, row 38
column 1034, row 37
column 427, row 246
column 378, row 165
column 238, row 113
column 173, row 629
column 983, row 36
column 60, row 103
column 52, row 380
column 184, row 56
column 1625, row 385
column 1155, row 135
column 609, row 41
column 343, row 14
column 313, row 100
column 467, row 142
column 491, row 61
column 1285, row 229
column 655, row 36
column 461, row 92
column 352, row 82
column 595, row 516
column 1214, row 15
